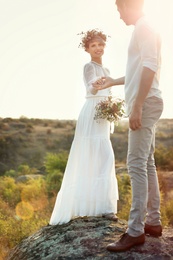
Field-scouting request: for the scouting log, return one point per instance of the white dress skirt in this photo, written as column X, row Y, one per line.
column 89, row 186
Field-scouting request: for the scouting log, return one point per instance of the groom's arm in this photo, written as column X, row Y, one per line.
column 108, row 82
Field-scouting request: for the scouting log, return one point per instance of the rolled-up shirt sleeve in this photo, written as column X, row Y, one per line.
column 149, row 44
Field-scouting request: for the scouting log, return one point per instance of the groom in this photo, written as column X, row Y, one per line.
column 144, row 108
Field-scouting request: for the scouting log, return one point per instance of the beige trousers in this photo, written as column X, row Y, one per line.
column 141, row 168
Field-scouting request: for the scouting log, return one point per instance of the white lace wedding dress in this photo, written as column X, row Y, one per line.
column 89, row 186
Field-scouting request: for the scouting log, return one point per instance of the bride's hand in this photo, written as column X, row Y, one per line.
column 104, row 82
column 98, row 84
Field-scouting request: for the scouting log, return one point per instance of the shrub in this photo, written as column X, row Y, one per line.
column 49, row 131
column 56, row 162
column 9, row 191
column 164, row 157
column 167, row 208
column 124, row 202
column 24, row 169
column 53, row 182
column 169, row 211
column 34, row 195
column 11, row 173
column 10, row 236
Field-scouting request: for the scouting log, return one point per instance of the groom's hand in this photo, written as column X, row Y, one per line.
column 135, row 118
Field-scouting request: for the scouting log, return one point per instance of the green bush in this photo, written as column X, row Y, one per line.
column 11, row 173
column 169, row 211
column 124, row 202
column 34, row 193
column 9, row 191
column 55, row 166
column 53, row 182
column 164, row 157
column 23, row 228
column 24, row 169
column 56, row 162
column 167, row 208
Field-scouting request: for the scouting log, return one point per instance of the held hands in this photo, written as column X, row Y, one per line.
column 102, row 83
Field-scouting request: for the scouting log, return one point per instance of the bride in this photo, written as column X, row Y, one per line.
column 89, row 186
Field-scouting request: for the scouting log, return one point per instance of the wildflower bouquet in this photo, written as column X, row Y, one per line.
column 111, row 109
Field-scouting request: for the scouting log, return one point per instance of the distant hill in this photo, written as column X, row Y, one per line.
column 27, row 141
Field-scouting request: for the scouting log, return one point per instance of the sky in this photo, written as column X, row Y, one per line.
column 41, row 66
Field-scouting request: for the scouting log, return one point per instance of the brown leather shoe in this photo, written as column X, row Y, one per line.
column 155, row 231
column 126, row 242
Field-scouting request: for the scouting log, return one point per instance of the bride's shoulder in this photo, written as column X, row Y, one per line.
column 88, row 65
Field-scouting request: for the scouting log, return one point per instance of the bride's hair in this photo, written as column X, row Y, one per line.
column 135, row 4
column 89, row 36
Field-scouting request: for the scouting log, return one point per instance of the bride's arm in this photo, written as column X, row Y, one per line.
column 90, row 77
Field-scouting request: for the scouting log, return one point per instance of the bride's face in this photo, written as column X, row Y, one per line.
column 96, row 49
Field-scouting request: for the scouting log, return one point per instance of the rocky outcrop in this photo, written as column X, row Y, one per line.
column 87, row 238
column 27, row 177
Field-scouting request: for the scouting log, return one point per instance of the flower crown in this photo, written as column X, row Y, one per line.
column 86, row 37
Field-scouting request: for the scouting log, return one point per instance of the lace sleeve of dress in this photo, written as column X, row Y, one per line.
column 90, row 77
